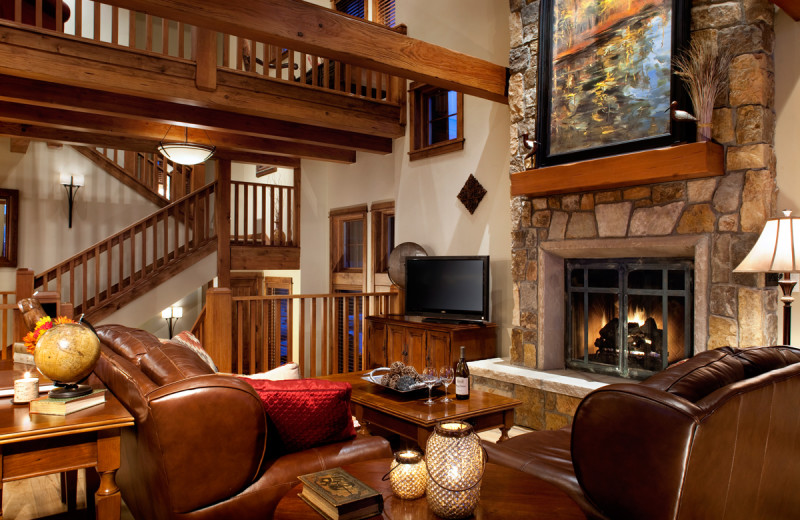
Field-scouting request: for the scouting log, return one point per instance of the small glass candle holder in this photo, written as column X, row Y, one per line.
column 456, row 464
column 408, row 475
column 26, row 389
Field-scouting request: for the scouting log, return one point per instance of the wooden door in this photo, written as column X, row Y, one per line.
column 438, row 351
column 247, row 326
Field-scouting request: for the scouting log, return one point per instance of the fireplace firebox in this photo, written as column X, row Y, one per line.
column 629, row 317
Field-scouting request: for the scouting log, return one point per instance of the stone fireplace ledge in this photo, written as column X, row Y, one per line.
column 565, row 382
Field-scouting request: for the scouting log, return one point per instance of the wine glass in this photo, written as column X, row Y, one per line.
column 446, row 374
column 429, row 377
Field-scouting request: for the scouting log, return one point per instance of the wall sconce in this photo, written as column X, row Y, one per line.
column 172, row 315
column 407, row 475
column 455, row 464
column 184, row 152
column 71, row 183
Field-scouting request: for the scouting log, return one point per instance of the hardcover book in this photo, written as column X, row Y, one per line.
column 338, row 495
column 51, row 406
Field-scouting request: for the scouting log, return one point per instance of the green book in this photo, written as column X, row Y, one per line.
column 51, row 406
column 338, row 495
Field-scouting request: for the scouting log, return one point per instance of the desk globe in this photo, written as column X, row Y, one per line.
column 67, row 354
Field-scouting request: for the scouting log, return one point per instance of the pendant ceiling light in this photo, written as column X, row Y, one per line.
column 184, row 152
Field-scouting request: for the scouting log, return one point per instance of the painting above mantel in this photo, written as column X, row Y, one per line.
column 674, row 163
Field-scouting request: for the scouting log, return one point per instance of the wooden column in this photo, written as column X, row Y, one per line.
column 219, row 327
column 222, row 222
column 24, row 290
column 296, row 208
column 205, row 56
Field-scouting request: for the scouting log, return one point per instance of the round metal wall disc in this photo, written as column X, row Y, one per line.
column 397, row 261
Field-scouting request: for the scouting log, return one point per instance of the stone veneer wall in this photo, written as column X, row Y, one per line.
column 729, row 210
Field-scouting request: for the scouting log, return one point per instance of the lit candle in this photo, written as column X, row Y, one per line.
column 26, row 389
column 408, row 475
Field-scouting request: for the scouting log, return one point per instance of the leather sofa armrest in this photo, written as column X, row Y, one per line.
column 629, row 446
column 210, row 433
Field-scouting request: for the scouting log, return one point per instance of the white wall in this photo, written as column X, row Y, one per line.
column 427, row 210
column 787, row 133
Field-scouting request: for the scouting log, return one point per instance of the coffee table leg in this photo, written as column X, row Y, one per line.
column 508, row 423
column 107, row 498
column 422, row 437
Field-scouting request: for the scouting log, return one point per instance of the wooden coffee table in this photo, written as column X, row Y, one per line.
column 379, row 408
column 506, row 493
column 34, row 445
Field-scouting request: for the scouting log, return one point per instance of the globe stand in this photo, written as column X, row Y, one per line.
column 69, row 390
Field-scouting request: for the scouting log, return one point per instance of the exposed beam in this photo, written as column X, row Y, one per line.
column 790, row 7
column 56, row 135
column 95, row 101
column 131, row 128
column 19, row 145
column 54, row 58
column 313, row 29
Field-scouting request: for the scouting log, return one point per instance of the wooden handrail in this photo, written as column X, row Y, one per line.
column 313, row 327
column 153, row 244
column 263, row 214
column 116, row 26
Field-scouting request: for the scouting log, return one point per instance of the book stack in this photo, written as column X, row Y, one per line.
column 52, row 406
column 337, row 495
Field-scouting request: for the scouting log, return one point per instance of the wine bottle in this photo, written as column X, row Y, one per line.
column 462, row 377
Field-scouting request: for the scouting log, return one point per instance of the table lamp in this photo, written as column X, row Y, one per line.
column 777, row 250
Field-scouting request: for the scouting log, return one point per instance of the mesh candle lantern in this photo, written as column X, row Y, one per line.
column 455, row 467
column 408, row 475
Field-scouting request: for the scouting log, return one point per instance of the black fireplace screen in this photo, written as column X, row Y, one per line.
column 628, row 317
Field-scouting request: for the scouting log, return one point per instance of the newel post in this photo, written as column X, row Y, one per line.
column 23, row 290
column 218, row 340
column 204, row 42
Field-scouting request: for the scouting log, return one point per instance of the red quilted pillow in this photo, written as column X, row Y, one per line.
column 306, row 412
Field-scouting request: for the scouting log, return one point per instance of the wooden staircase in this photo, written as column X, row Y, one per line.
column 104, row 277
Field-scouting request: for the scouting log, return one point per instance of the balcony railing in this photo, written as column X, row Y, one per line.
column 121, row 27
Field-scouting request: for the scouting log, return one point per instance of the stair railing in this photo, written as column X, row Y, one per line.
column 126, row 260
column 264, row 214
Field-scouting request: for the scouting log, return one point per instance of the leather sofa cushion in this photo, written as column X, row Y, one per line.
column 129, row 343
column 306, row 412
column 170, row 362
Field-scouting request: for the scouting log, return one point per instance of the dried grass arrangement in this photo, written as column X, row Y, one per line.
column 704, row 69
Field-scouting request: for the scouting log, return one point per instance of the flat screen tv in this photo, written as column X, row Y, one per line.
column 448, row 288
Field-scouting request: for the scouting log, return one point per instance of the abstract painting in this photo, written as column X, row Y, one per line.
column 606, row 78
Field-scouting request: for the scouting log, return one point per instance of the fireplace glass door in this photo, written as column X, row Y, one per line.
column 628, row 317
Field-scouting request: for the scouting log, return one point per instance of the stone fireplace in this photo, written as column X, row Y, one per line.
column 713, row 221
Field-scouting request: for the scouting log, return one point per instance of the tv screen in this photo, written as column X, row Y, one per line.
column 448, row 287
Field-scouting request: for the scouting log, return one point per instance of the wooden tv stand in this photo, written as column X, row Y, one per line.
column 393, row 338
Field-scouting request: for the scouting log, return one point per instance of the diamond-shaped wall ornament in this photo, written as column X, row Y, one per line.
column 471, row 194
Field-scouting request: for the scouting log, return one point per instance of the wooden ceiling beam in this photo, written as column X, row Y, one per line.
column 57, row 59
column 19, row 145
column 313, row 29
column 131, row 128
column 94, row 101
column 57, row 135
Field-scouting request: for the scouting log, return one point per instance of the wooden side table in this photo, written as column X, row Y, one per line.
column 505, row 493
column 35, row 445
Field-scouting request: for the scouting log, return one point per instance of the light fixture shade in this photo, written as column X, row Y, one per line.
column 187, row 154
column 166, row 313
column 177, row 312
column 777, row 249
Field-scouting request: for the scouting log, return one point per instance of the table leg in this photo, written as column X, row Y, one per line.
column 107, row 498
column 508, row 423
column 422, row 437
column 69, row 488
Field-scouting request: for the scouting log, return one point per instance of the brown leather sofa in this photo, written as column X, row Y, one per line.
column 714, row 437
column 199, row 446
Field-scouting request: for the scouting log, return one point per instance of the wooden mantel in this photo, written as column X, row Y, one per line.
column 675, row 163
column 791, row 7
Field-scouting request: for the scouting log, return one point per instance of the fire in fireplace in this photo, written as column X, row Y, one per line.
column 628, row 317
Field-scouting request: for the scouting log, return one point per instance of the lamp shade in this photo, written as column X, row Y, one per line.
column 777, row 249
column 186, row 153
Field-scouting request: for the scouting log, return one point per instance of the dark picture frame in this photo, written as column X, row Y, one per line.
column 606, row 78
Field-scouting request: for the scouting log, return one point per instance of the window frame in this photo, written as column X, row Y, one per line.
column 341, row 277
column 11, row 225
column 379, row 242
column 418, row 100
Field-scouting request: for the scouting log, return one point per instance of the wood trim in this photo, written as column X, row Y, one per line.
column 320, row 31
column 680, row 162
column 358, row 208
column 442, row 148
column 222, row 213
column 790, row 7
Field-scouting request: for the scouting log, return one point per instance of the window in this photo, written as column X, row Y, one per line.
column 380, row 11
column 9, row 216
column 382, row 235
column 437, row 121
column 348, row 247
column 277, row 312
